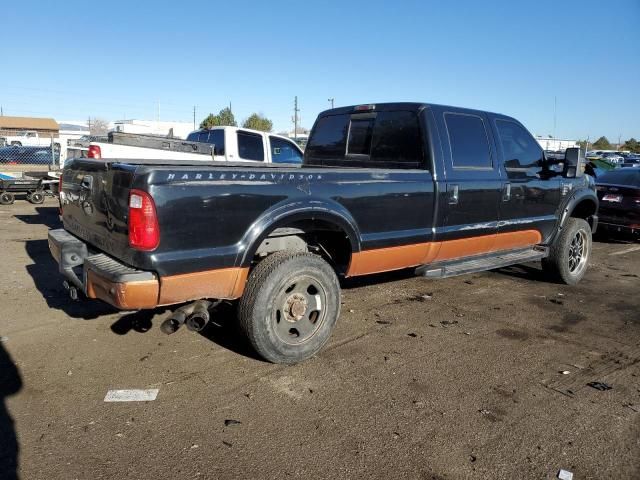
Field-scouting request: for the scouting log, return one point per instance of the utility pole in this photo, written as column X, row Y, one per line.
column 194, row 117
column 1, row 111
column 330, row 100
column 295, row 117
column 89, row 124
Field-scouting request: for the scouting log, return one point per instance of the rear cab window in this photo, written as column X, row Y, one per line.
column 384, row 139
column 216, row 137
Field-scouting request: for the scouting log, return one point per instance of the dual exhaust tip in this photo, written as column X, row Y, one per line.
column 195, row 315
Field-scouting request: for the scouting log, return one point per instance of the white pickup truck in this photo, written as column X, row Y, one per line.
column 218, row 143
column 30, row 138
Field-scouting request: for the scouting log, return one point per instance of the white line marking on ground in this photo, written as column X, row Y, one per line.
column 131, row 395
column 626, row 250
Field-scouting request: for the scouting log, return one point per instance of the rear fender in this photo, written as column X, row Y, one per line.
column 284, row 214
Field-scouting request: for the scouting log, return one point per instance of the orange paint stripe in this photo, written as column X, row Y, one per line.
column 223, row 283
column 395, row 258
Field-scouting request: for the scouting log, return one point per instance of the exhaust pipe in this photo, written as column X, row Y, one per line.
column 176, row 319
column 199, row 317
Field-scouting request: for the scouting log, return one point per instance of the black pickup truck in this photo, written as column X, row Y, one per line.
column 441, row 190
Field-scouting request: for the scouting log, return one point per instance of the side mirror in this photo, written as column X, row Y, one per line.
column 573, row 163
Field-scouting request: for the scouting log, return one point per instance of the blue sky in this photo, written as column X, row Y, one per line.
column 71, row 60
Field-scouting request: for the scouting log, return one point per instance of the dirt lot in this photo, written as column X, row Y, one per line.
column 457, row 378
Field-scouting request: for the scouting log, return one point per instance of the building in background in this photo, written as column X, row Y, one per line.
column 153, row 127
column 28, row 131
column 555, row 144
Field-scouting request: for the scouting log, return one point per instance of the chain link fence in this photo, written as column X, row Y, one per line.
column 28, row 149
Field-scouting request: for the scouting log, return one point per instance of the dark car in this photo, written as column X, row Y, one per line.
column 619, row 194
column 15, row 155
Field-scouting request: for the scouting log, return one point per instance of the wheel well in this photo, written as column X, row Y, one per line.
column 585, row 210
column 318, row 236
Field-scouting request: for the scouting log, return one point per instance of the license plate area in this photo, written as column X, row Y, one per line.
column 612, row 198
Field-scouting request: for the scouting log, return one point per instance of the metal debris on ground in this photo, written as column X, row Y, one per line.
column 133, row 395
column 4, row 339
column 601, row 386
column 565, row 372
column 565, row 475
column 230, row 421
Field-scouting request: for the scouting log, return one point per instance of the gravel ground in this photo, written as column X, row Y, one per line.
column 456, row 378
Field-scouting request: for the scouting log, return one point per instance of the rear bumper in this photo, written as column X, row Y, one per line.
column 102, row 277
column 613, row 226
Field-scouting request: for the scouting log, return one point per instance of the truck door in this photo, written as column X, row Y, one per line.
column 470, row 194
column 531, row 192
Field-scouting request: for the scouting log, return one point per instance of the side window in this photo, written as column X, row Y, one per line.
column 469, row 141
column 329, row 138
column 360, row 133
column 283, row 151
column 250, row 146
column 397, row 140
column 519, row 148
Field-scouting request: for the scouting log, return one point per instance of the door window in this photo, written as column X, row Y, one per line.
column 250, row 146
column 284, row 151
column 469, row 141
column 520, row 150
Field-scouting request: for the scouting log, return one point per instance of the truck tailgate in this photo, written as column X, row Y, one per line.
column 94, row 198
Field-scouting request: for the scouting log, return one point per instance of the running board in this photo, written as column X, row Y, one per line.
column 452, row 268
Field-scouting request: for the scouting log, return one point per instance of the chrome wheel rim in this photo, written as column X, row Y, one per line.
column 578, row 252
column 299, row 310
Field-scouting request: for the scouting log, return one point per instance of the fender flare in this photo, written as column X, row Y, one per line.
column 285, row 213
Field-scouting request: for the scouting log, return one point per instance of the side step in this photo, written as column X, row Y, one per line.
column 481, row 263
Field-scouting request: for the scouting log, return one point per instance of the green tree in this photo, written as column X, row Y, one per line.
column 222, row 119
column 632, row 145
column 602, row 144
column 258, row 122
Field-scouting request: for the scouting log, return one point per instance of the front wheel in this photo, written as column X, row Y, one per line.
column 290, row 306
column 569, row 255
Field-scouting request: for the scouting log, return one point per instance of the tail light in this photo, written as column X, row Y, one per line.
column 144, row 231
column 94, row 152
column 60, row 194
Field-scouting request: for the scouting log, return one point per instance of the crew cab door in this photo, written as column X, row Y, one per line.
column 470, row 192
column 531, row 192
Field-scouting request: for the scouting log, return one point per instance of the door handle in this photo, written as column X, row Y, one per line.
column 506, row 193
column 453, row 194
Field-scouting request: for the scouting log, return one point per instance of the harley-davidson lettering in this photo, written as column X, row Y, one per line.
column 275, row 177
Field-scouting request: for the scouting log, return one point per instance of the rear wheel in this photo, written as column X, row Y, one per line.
column 290, row 306
column 7, row 198
column 569, row 255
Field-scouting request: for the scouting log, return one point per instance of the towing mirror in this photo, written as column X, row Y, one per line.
column 573, row 163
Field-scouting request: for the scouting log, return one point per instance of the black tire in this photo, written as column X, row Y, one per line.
column 7, row 198
column 36, row 198
column 290, row 306
column 570, row 253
